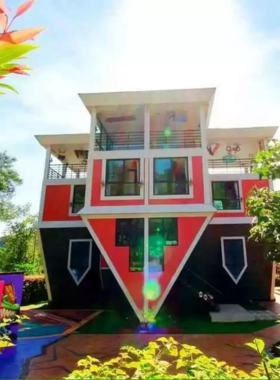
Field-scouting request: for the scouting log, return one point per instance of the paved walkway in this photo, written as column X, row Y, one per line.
column 56, row 355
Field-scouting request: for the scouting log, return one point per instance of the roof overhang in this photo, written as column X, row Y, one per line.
column 254, row 132
column 75, row 139
column 142, row 210
column 111, row 99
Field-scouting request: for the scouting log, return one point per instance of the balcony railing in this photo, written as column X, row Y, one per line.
column 169, row 139
column 68, row 171
column 237, row 166
column 119, row 141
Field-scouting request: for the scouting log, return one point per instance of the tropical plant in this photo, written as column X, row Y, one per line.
column 5, row 324
column 167, row 359
column 12, row 43
column 263, row 204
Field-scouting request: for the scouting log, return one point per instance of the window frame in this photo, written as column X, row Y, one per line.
column 170, row 196
column 69, row 259
column 122, row 197
column 223, row 238
column 72, row 193
column 238, row 181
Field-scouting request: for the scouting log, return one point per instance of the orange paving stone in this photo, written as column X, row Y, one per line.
column 60, row 358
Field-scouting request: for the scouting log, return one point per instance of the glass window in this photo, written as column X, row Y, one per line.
column 234, row 257
column 171, row 176
column 122, row 178
column 79, row 260
column 162, row 232
column 130, row 233
column 78, row 201
column 226, row 195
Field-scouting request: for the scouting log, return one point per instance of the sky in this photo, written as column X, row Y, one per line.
column 117, row 45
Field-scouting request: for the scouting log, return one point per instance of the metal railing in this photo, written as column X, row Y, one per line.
column 69, row 171
column 119, row 141
column 169, row 139
column 236, row 166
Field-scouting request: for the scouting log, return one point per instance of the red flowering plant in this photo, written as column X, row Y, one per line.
column 13, row 44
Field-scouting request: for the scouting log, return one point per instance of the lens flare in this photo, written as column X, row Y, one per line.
column 167, row 132
column 151, row 289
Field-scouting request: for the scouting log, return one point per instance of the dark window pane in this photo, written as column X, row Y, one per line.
column 79, row 258
column 162, row 232
column 122, row 178
column 234, row 256
column 78, row 198
column 130, row 233
column 171, row 176
column 226, row 195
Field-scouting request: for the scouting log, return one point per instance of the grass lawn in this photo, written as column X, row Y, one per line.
column 112, row 322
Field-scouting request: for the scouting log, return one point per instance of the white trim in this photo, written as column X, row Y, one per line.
column 70, row 213
column 223, row 238
column 112, row 267
column 168, row 196
column 139, row 210
column 146, row 261
column 104, row 197
column 146, row 128
column 146, row 182
column 66, row 181
column 232, row 220
column 45, row 178
column 90, row 158
column 61, row 224
column 41, row 248
column 69, row 259
column 205, row 161
column 182, row 264
column 232, row 176
column 143, row 153
column 240, row 191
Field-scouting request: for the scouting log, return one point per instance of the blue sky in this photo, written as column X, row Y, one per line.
column 112, row 45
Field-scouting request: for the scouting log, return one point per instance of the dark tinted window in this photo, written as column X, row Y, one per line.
column 234, row 256
column 78, row 201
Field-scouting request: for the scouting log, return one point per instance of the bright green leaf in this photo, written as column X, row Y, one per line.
column 7, row 54
column 4, row 85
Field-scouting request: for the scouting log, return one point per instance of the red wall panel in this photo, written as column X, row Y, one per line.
column 198, row 187
column 247, row 185
column 96, row 190
column 56, row 207
column 105, row 229
column 188, row 229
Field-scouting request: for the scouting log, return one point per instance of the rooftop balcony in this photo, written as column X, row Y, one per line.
column 237, row 166
column 67, row 171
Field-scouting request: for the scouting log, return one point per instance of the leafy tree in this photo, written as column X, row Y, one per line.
column 12, row 46
column 20, row 249
column 263, row 204
column 9, row 179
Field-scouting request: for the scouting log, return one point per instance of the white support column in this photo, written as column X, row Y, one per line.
column 146, row 261
column 146, row 149
column 206, row 182
column 45, row 178
column 90, row 157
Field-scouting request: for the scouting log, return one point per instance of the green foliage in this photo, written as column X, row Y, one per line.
column 34, row 290
column 5, row 323
column 167, row 359
column 264, row 204
column 20, row 250
column 267, row 162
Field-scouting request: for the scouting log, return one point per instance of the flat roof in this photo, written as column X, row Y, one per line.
column 109, row 99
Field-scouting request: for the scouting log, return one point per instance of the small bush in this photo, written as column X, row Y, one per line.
column 34, row 290
column 167, row 359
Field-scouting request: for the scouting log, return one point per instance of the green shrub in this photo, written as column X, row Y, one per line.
column 34, row 290
column 167, row 359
